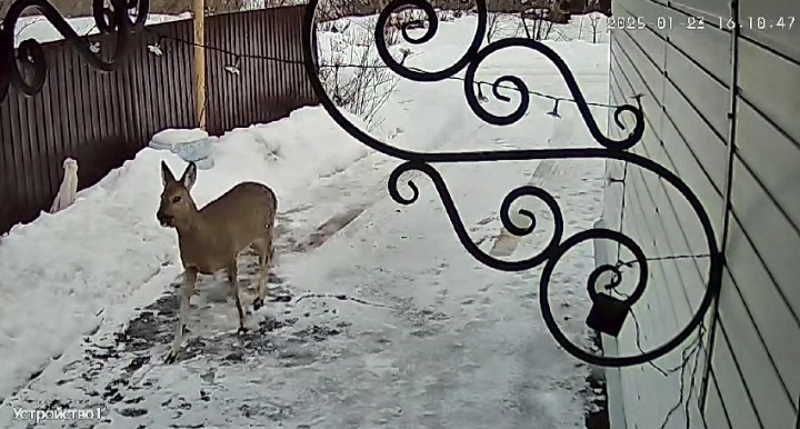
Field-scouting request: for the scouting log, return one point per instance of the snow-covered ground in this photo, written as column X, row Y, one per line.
column 88, row 294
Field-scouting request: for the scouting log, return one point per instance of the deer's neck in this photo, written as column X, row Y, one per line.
column 191, row 226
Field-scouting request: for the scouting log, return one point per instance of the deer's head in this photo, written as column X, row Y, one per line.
column 176, row 201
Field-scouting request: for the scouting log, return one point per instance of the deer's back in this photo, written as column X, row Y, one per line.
column 239, row 216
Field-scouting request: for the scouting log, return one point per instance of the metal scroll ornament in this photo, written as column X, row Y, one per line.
column 607, row 313
column 26, row 67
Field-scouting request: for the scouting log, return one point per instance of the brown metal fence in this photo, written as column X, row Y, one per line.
column 102, row 119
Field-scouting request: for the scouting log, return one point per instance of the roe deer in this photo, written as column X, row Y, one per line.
column 211, row 238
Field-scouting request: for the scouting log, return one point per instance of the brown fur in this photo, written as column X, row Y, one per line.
column 211, row 238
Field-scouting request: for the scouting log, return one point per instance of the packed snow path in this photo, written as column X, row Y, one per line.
column 450, row 342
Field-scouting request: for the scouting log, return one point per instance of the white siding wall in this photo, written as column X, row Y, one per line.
column 686, row 78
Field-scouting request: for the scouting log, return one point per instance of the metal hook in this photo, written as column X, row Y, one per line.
column 554, row 112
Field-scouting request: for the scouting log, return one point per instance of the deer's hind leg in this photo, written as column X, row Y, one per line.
column 264, row 248
column 233, row 279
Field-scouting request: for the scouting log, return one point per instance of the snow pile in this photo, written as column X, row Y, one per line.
column 62, row 270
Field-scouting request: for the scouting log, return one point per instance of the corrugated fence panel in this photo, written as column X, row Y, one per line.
column 263, row 90
column 102, row 119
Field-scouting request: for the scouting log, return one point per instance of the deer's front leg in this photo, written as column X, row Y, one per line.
column 187, row 288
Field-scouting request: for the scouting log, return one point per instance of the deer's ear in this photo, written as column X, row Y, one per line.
column 189, row 176
column 166, row 174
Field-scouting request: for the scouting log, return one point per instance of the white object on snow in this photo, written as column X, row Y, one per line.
column 170, row 137
column 68, row 188
column 195, row 150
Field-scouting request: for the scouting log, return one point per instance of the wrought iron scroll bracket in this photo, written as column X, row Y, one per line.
column 549, row 256
column 25, row 65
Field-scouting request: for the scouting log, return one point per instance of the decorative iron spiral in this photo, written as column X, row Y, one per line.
column 115, row 20
column 611, row 149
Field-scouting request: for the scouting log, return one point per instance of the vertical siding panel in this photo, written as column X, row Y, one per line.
column 81, row 116
column 245, row 85
column 297, row 56
column 287, row 67
column 277, row 75
column 51, row 122
column 18, row 165
column 231, row 101
column 213, row 84
column 171, row 79
column 240, row 46
column 85, row 143
column 148, row 99
column 110, row 134
column 251, row 90
column 94, row 144
column 10, row 190
column 290, row 55
column 28, row 155
column 271, row 80
column 161, row 83
column 212, row 111
column 220, row 76
column 122, row 112
column 223, row 78
column 124, row 100
column 226, row 99
column 135, row 87
column 71, row 98
column 184, row 59
column 171, row 73
column 6, row 175
column 154, row 86
column 6, row 190
column 216, row 79
column 148, row 114
column 176, row 55
column 262, row 76
column 109, row 104
column 234, row 98
column 41, row 161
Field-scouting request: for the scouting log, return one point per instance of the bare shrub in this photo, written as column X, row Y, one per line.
column 352, row 73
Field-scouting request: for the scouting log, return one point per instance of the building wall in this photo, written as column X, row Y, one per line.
column 741, row 156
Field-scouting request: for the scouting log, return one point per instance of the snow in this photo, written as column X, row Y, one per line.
column 39, row 28
column 460, row 345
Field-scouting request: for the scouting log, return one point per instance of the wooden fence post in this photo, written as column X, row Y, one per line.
column 198, row 9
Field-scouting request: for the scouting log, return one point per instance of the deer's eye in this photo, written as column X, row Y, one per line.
column 176, row 199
